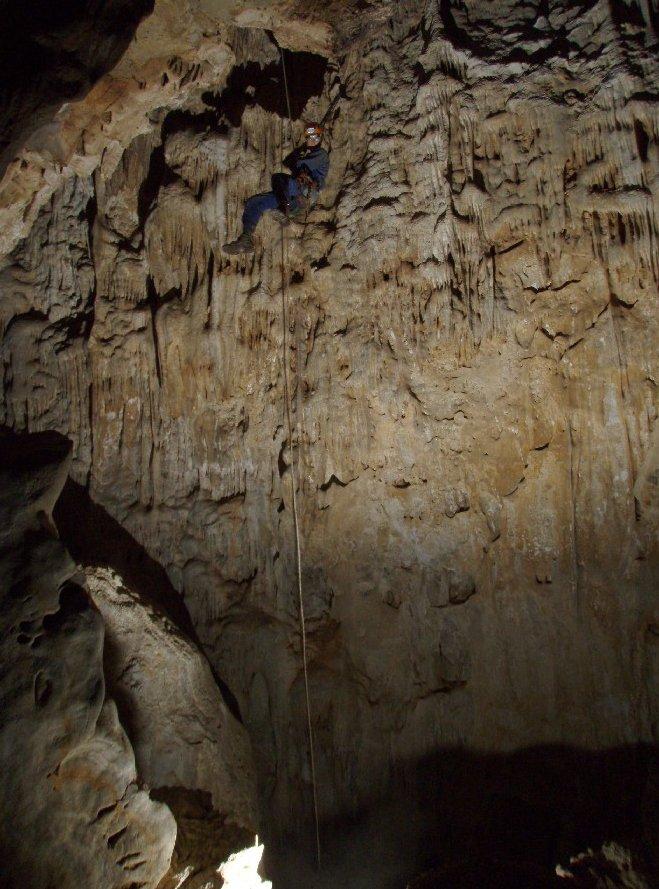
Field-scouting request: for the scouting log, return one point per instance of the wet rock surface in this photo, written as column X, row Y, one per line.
column 472, row 344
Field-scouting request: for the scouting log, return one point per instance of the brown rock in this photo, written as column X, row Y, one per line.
column 470, row 309
column 188, row 746
column 71, row 808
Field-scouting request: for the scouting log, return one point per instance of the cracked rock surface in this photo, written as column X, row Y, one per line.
column 472, row 313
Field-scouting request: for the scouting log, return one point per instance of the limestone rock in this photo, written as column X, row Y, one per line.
column 188, row 746
column 610, row 867
column 71, row 809
column 74, row 104
column 471, row 340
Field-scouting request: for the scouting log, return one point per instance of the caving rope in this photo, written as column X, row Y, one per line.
column 296, row 522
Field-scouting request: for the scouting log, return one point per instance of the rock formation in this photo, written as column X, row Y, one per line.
column 188, row 746
column 610, row 865
column 74, row 807
column 472, row 344
column 71, row 810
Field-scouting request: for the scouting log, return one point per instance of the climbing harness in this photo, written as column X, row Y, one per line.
column 296, row 522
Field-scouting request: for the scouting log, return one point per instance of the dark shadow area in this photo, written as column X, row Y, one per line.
column 94, row 538
column 157, row 176
column 493, row 873
column 484, row 820
column 642, row 140
column 252, row 84
column 193, row 122
column 486, row 37
column 25, row 452
column 204, row 836
column 54, row 52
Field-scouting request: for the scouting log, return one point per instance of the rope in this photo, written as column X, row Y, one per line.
column 296, row 522
column 288, row 99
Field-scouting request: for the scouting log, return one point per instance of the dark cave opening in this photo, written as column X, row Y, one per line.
column 253, row 84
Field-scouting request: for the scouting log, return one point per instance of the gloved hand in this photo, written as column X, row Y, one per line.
column 305, row 179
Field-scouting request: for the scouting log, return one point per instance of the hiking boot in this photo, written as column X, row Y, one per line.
column 281, row 217
column 243, row 244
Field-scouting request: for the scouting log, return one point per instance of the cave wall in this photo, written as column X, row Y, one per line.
column 122, row 764
column 71, row 807
column 473, row 327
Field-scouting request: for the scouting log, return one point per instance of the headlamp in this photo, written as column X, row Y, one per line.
column 313, row 132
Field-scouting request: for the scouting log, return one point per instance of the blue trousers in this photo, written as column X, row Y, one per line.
column 284, row 190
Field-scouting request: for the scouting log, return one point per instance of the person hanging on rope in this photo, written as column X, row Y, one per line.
column 309, row 164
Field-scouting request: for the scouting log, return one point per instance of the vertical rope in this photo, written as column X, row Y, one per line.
column 296, row 522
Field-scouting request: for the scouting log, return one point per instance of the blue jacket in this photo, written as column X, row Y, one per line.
column 314, row 160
